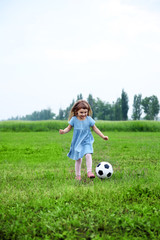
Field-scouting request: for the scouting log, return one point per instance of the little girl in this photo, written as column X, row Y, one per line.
column 82, row 141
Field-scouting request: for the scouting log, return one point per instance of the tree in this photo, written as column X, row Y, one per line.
column 151, row 107
column 92, row 103
column 60, row 115
column 155, row 106
column 68, row 109
column 45, row 114
column 118, row 110
column 137, row 107
column 100, row 109
column 108, row 111
column 79, row 97
column 125, row 107
column 112, row 111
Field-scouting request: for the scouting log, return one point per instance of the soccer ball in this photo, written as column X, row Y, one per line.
column 104, row 170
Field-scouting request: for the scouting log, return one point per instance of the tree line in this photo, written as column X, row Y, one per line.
column 45, row 114
column 115, row 111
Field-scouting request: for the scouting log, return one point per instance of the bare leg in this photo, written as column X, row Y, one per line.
column 89, row 165
column 78, row 168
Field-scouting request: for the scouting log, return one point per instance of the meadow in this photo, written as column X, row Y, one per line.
column 55, row 125
column 40, row 198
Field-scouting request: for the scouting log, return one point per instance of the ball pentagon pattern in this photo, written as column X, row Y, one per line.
column 104, row 170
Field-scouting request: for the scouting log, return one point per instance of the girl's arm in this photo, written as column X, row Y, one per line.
column 66, row 130
column 96, row 130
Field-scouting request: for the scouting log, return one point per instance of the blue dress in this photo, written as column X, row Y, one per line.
column 82, row 141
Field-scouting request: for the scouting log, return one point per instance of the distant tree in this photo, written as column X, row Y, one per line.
column 137, row 107
column 112, row 111
column 68, row 109
column 92, row 103
column 118, row 110
column 108, row 111
column 100, row 109
column 14, row 118
column 79, row 97
column 45, row 114
column 151, row 107
column 125, row 107
column 155, row 106
column 60, row 115
column 35, row 116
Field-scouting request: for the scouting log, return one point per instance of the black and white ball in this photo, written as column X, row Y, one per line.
column 104, row 170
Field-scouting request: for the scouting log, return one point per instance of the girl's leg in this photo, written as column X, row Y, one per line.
column 78, row 168
column 89, row 165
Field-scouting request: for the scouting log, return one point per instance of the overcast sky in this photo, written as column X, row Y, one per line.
column 52, row 50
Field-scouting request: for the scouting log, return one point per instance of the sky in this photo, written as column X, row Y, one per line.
column 53, row 50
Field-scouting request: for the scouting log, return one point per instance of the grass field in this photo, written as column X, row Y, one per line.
column 55, row 125
column 40, row 199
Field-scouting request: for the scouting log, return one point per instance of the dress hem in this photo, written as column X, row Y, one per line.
column 80, row 157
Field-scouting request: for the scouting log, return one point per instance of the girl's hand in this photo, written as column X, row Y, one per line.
column 61, row 131
column 66, row 130
column 96, row 130
column 105, row 138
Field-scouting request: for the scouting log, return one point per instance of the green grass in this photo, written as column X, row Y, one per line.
column 40, row 199
column 45, row 126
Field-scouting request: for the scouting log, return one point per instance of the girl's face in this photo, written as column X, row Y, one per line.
column 82, row 114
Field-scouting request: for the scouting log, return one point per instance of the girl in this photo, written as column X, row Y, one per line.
column 82, row 141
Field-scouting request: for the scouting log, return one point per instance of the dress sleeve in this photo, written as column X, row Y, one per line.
column 91, row 122
column 71, row 122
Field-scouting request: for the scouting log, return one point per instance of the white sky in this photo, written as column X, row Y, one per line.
column 52, row 50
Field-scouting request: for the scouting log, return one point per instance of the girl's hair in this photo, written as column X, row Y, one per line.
column 77, row 106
